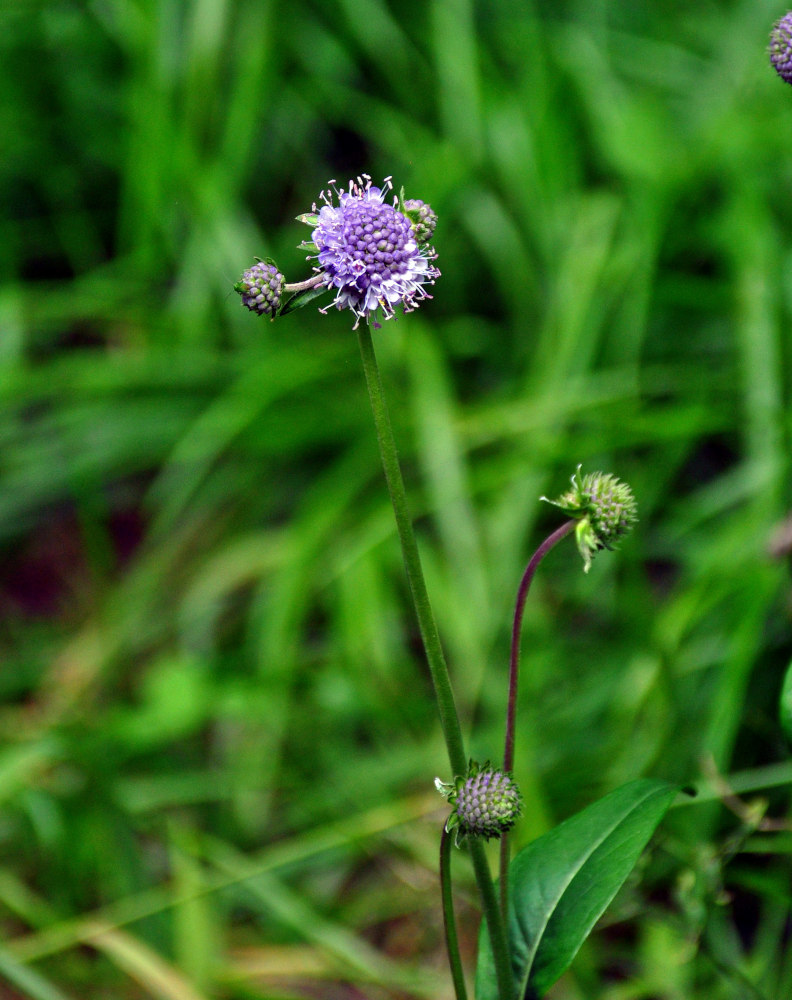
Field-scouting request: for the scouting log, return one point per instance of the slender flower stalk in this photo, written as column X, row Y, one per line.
column 514, row 677
column 519, row 610
column 449, row 719
column 302, row 286
column 449, row 921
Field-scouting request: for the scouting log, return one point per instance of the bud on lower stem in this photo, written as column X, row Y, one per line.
column 486, row 801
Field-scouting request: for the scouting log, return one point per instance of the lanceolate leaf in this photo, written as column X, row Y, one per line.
column 300, row 299
column 562, row 883
column 785, row 704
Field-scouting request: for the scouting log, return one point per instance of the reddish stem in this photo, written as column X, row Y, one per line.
column 514, row 676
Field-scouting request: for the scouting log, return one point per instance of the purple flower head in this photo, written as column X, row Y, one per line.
column 781, row 47
column 367, row 252
column 261, row 288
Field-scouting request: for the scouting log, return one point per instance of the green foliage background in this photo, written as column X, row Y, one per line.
column 219, row 740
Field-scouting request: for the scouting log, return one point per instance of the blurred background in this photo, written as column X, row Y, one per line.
column 219, row 739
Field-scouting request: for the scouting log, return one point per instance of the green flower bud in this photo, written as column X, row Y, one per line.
column 423, row 219
column 605, row 508
column 486, row 802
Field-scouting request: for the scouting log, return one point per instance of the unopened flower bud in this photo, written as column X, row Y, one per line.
column 422, row 218
column 261, row 288
column 781, row 47
column 605, row 509
column 486, row 802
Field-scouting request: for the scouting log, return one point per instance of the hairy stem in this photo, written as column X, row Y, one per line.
column 301, row 286
column 444, row 696
column 449, row 921
column 449, row 719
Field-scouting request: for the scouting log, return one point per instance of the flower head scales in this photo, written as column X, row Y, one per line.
column 367, row 252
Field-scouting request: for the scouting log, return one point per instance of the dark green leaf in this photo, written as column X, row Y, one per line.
column 300, row 299
column 563, row 882
column 785, row 704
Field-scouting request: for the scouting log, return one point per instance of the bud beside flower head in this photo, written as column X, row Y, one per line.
column 605, row 508
column 486, row 802
column 781, row 47
column 261, row 288
column 423, row 219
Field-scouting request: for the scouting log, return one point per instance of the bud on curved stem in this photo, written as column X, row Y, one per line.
column 514, row 677
column 604, row 508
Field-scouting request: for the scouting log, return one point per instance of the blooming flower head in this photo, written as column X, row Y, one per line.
column 781, row 47
column 486, row 802
column 605, row 508
column 261, row 288
column 368, row 253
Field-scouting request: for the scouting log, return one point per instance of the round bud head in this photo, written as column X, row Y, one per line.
column 611, row 507
column 781, row 47
column 423, row 219
column 261, row 288
column 486, row 802
column 605, row 508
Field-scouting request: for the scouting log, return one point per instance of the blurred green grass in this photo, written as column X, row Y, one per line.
column 219, row 740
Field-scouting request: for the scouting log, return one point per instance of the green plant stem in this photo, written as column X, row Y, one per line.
column 496, row 925
column 449, row 719
column 514, row 679
column 449, row 921
column 302, row 286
